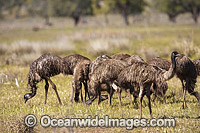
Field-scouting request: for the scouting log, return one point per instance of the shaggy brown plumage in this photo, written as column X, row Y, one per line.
column 143, row 75
column 120, row 56
column 44, row 67
column 103, row 76
column 197, row 65
column 95, row 63
column 163, row 64
column 133, row 89
column 80, row 76
column 187, row 73
column 160, row 62
column 133, row 59
column 71, row 62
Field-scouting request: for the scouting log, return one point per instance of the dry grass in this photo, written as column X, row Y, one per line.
column 24, row 52
column 107, row 46
column 13, row 109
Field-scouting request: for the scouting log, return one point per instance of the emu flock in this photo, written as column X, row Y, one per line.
column 114, row 74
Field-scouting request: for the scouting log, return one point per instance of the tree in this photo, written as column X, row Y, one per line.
column 191, row 6
column 73, row 8
column 128, row 7
column 42, row 8
column 3, row 6
column 171, row 7
column 101, row 7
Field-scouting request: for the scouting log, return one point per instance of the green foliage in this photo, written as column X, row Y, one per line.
column 101, row 6
column 191, row 6
column 175, row 7
column 71, row 7
column 171, row 7
column 128, row 7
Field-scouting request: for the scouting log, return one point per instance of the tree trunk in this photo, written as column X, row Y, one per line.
column 195, row 17
column 17, row 13
column 47, row 21
column 172, row 18
column 76, row 20
column 106, row 18
column 126, row 19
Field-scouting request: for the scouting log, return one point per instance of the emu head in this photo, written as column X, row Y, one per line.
column 174, row 54
column 27, row 96
column 77, row 86
column 33, row 78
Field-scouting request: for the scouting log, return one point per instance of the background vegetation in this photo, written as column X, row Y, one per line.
column 29, row 28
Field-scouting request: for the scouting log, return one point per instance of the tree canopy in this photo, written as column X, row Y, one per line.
column 77, row 8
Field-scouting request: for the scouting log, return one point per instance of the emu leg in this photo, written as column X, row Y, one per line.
column 184, row 93
column 81, row 94
column 129, row 93
column 149, row 102
column 163, row 95
column 194, row 93
column 99, row 93
column 86, row 90
column 184, row 102
column 54, row 87
column 110, row 94
column 46, row 90
column 72, row 95
column 119, row 96
column 140, row 99
column 154, row 92
column 135, row 99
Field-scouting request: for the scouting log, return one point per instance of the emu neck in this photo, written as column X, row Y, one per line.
column 171, row 72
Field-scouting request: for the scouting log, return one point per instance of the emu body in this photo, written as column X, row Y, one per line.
column 120, row 56
column 143, row 75
column 163, row 64
column 187, row 73
column 80, row 76
column 103, row 77
column 197, row 65
column 46, row 66
column 76, row 65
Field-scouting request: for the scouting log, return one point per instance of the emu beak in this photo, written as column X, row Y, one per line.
column 177, row 55
column 25, row 100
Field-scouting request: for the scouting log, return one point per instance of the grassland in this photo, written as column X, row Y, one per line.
column 158, row 40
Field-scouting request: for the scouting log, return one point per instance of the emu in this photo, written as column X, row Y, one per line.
column 187, row 73
column 103, row 77
column 163, row 64
column 143, row 75
column 120, row 56
column 71, row 62
column 76, row 64
column 133, row 90
column 197, row 65
column 81, row 74
column 109, row 72
column 46, row 66
column 160, row 62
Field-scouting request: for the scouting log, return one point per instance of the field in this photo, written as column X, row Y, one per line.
column 20, row 46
